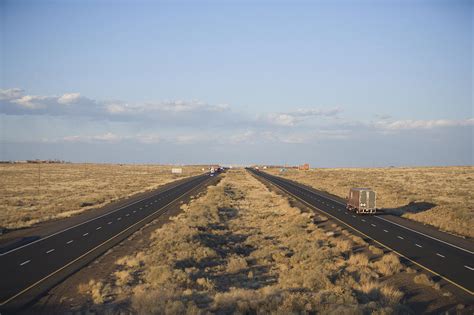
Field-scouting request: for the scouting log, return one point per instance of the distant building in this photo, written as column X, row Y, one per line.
column 304, row 167
column 176, row 171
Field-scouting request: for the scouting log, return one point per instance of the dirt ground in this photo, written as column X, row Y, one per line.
column 242, row 248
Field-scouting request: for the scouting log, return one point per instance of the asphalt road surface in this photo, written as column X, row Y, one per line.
column 437, row 254
column 29, row 270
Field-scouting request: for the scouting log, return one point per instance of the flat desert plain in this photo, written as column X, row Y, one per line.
column 32, row 193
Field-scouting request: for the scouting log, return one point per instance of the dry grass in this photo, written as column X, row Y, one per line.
column 241, row 249
column 439, row 196
column 32, row 193
column 423, row 279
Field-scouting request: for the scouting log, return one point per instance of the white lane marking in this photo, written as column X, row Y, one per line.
column 346, row 213
column 119, row 218
column 90, row 220
column 470, row 268
column 442, row 256
column 146, row 206
column 50, row 251
column 85, row 234
column 338, row 209
column 83, row 255
column 385, row 231
column 127, row 214
column 98, row 228
column 400, row 237
column 69, row 242
column 25, row 262
column 110, row 222
column 363, row 220
column 134, row 211
column 418, row 245
column 353, row 216
column 141, row 208
column 433, row 238
column 373, row 224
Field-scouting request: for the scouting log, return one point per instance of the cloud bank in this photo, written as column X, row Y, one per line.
column 83, row 121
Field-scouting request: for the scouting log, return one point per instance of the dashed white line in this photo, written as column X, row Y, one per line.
column 470, row 268
column 134, row 211
column 373, row 225
column 127, row 214
column 362, row 220
column 353, row 216
column 400, row 237
column 98, row 228
column 69, row 242
column 442, row 256
column 385, row 231
column 418, row 245
column 119, row 218
column 25, row 262
column 85, row 234
column 110, row 222
column 50, row 251
column 426, row 235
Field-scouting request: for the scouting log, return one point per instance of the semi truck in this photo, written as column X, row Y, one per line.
column 362, row 200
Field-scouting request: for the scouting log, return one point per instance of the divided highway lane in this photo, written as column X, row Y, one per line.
column 28, row 270
column 449, row 261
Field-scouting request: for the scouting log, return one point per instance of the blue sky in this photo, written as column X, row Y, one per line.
column 333, row 83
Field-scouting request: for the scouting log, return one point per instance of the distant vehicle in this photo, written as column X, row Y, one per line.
column 256, row 167
column 176, row 171
column 361, row 200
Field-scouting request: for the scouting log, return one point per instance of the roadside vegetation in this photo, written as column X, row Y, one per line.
column 32, row 193
column 242, row 249
column 438, row 196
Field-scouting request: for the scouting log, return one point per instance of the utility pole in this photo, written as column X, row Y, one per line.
column 39, row 180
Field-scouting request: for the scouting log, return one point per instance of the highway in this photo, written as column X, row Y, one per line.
column 436, row 254
column 31, row 269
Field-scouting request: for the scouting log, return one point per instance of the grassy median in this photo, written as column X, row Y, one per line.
column 242, row 249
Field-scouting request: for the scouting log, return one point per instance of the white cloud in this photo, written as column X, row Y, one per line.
column 69, row 98
column 115, row 108
column 149, row 139
column 191, row 138
column 10, row 94
column 30, row 101
column 106, row 137
column 282, row 119
column 289, row 119
column 247, row 136
column 316, row 112
column 422, row 124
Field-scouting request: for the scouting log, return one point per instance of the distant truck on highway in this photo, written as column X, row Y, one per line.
column 362, row 200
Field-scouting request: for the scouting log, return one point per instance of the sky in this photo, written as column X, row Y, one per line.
column 330, row 83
